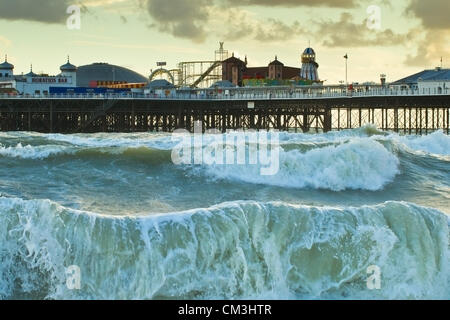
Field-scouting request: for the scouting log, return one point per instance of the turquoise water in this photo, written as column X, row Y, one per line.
column 140, row 227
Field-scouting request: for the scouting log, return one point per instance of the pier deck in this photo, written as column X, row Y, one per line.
column 283, row 109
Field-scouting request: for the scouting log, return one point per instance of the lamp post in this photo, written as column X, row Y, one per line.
column 346, row 68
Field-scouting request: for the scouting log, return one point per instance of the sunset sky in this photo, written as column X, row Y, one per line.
column 414, row 34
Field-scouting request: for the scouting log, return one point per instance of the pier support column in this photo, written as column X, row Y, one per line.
column 305, row 122
column 327, row 120
column 50, row 126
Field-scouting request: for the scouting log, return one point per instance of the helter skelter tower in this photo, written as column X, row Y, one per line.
column 309, row 65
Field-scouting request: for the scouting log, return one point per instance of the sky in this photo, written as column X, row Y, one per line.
column 396, row 38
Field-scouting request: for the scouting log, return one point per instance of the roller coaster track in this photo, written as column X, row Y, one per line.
column 206, row 73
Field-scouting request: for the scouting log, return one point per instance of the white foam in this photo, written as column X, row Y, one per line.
column 365, row 131
column 158, row 141
column 33, row 152
column 359, row 164
column 435, row 143
column 233, row 250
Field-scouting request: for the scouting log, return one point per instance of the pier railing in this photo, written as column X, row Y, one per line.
column 282, row 108
column 247, row 94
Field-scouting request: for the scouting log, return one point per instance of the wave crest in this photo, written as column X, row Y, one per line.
column 359, row 164
column 234, row 250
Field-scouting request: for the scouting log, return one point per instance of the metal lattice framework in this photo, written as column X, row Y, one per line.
column 202, row 74
column 199, row 73
column 162, row 72
column 419, row 114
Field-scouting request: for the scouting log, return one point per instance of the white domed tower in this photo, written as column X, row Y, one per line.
column 70, row 71
column 309, row 65
column 6, row 69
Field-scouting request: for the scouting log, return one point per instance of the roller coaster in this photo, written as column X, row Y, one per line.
column 161, row 72
column 195, row 74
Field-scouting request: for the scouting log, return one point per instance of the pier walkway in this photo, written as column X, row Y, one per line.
column 314, row 108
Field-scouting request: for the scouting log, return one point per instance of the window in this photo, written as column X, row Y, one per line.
column 1, row 75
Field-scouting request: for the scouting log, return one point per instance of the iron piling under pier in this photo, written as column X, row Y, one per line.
column 403, row 114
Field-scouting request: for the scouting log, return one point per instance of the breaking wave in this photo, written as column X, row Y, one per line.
column 435, row 143
column 360, row 159
column 359, row 164
column 234, row 250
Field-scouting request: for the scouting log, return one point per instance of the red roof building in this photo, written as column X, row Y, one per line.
column 235, row 70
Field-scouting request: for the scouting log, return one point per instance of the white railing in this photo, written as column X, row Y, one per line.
column 248, row 94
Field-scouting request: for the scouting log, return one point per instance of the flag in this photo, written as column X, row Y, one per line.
column 346, row 56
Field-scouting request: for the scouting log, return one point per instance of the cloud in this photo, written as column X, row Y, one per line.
column 181, row 18
column 46, row 11
column 295, row 3
column 101, row 3
column 434, row 17
column 434, row 14
column 196, row 19
column 191, row 19
column 277, row 30
column 346, row 33
column 431, row 49
column 242, row 25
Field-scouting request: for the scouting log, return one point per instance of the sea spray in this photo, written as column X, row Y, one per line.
column 342, row 202
column 360, row 164
column 435, row 143
column 233, row 250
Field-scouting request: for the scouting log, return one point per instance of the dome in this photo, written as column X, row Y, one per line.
column 160, row 84
column 31, row 73
column 309, row 56
column 309, row 51
column 68, row 67
column 309, row 70
column 223, row 84
column 5, row 65
column 106, row 72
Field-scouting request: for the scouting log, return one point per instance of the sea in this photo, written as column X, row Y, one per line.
column 355, row 214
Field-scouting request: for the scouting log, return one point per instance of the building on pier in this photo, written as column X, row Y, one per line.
column 104, row 78
column 276, row 73
column 92, row 74
column 160, row 87
column 437, row 79
column 233, row 70
column 310, row 67
column 72, row 79
column 37, row 84
column 6, row 70
column 7, row 80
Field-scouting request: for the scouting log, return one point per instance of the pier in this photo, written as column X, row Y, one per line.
column 297, row 109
